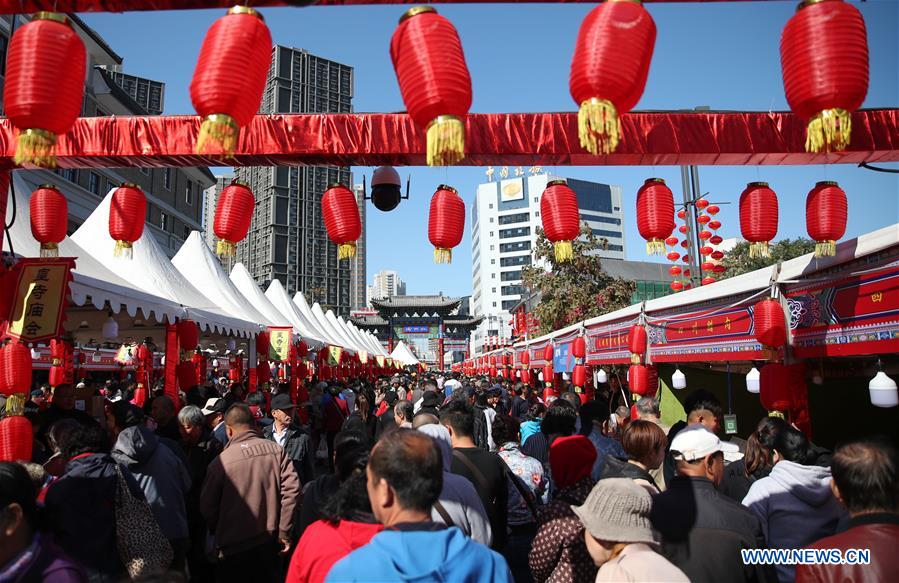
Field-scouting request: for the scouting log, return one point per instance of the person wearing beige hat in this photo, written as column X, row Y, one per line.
column 619, row 537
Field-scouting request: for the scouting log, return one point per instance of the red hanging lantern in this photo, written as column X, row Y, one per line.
column 561, row 218
column 15, row 369
column 579, row 377
column 708, row 280
column 720, row 268
column 717, row 255
column 434, row 81
column 233, row 215
column 707, row 266
column 673, row 256
column 302, row 350
column 188, row 335
column 681, row 214
column 636, row 343
column 342, row 221
column 758, row 217
column 713, row 209
column 824, row 58
column 127, row 214
column 230, row 77
column 714, row 225
column 446, row 222
column 702, row 204
column 705, row 235
column 774, row 387
column 49, row 218
column 525, row 359
column 825, row 217
column 44, row 88
column 579, row 347
column 609, row 69
column 686, row 273
column 705, row 250
column 655, row 214
column 716, row 240
column 675, row 270
column 685, row 258
column 685, row 245
column 671, row 241
column 58, row 359
column 16, row 439
column 770, row 324
column 703, row 219
column 548, row 351
column 683, row 230
column 677, row 286
column 642, row 380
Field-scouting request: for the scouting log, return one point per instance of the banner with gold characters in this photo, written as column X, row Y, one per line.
column 279, row 343
column 381, row 361
column 334, row 355
column 37, row 309
column 363, row 356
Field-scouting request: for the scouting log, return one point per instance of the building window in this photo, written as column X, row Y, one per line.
column 513, row 290
column 490, row 205
column 69, row 174
column 167, row 178
column 509, row 304
column 493, row 290
column 511, row 261
column 604, row 233
column 94, row 183
column 493, row 262
column 512, row 219
column 163, row 219
column 492, row 247
column 491, row 233
column 518, row 232
column 491, row 219
column 189, row 194
column 494, row 304
column 511, row 275
column 519, row 246
column 492, row 276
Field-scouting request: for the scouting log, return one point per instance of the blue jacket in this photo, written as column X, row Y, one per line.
column 419, row 556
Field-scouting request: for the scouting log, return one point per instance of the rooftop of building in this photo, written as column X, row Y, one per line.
column 439, row 302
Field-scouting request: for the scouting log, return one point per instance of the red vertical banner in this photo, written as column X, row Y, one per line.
column 172, row 356
column 440, row 363
column 5, row 177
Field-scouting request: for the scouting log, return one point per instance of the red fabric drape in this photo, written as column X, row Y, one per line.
column 548, row 139
column 172, row 357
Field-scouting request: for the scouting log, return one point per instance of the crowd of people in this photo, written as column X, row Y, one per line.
column 429, row 478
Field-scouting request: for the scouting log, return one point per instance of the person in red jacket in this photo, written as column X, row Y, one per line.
column 866, row 482
column 348, row 524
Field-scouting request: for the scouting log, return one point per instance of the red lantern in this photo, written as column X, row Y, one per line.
column 49, row 218
column 685, row 245
column 716, row 240
column 714, row 225
column 16, row 439
column 233, row 215
column 44, row 88
column 579, row 347
column 675, row 270
column 342, row 221
column 579, row 377
column 705, row 250
column 770, row 323
column 655, row 214
column 702, row 203
column 681, row 214
column 525, row 359
column 15, row 369
column 227, row 85
column 677, row 286
column 446, row 222
column 127, row 214
column 705, row 235
column 434, row 81
column 708, row 280
column 824, row 57
column 636, row 342
column 548, row 353
column 703, row 219
column 673, row 256
column 671, row 241
column 825, row 217
column 774, row 387
column 713, row 209
column 302, row 350
column 188, row 335
column 720, row 268
column 717, row 255
column 548, row 375
column 686, row 273
column 140, row 396
column 685, row 258
column 707, row 266
column 758, row 217
column 643, row 380
column 561, row 218
column 683, row 230
column 609, row 69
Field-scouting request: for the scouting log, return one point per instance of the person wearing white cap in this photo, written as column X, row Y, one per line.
column 618, row 534
column 702, row 530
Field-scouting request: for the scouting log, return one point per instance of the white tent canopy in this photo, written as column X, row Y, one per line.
column 301, row 306
column 251, row 293
column 403, row 355
column 322, row 323
column 196, row 262
column 278, row 297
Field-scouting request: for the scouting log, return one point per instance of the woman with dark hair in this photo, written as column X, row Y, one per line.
column 363, row 418
column 644, row 442
column 347, row 524
column 26, row 554
column 532, row 423
column 757, row 462
column 794, row 493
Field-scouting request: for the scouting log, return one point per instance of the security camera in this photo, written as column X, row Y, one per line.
column 386, row 189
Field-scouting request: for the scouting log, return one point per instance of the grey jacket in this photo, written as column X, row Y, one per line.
column 458, row 497
column 163, row 478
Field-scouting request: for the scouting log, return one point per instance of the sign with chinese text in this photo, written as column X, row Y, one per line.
column 279, row 344
column 38, row 305
column 334, row 355
column 416, row 329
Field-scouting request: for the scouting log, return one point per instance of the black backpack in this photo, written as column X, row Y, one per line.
column 480, row 429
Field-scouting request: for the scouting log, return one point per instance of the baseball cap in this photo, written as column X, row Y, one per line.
column 696, row 441
column 214, row 405
column 281, row 402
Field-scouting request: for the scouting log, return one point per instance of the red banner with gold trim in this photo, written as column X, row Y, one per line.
column 37, row 309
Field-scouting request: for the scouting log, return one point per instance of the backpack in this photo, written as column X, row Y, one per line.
column 480, row 429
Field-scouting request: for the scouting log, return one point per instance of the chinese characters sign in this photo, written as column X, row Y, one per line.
column 37, row 309
column 279, row 345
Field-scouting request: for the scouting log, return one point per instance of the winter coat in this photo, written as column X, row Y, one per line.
column 791, row 495
column 736, row 483
column 323, row 544
column 314, row 496
column 298, row 448
column 639, row 563
column 877, row 532
column 616, row 468
column 80, row 509
column 421, row 552
column 559, row 553
column 606, row 449
column 161, row 475
column 41, row 561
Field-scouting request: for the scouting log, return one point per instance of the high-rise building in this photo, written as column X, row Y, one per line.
column 174, row 195
column 287, row 239
column 504, row 221
column 387, row 284
column 358, row 291
column 210, row 201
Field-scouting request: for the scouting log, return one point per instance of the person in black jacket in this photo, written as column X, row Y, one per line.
column 291, row 437
column 702, row 530
column 644, row 443
column 387, row 421
column 757, row 462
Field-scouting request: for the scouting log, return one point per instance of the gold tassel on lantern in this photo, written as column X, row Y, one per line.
column 36, row 147
column 15, row 405
column 123, row 250
column 346, row 250
column 563, row 251
column 49, row 250
column 759, row 249
column 635, row 358
column 446, row 141
column 655, row 247
column 825, row 248
column 829, row 130
column 598, row 126
column 225, row 248
column 442, row 255
column 220, row 130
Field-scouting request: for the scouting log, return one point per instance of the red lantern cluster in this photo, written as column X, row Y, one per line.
column 341, row 214
column 770, row 323
column 127, row 214
column 826, row 212
column 655, row 214
column 434, row 81
column 44, row 88
column 609, row 70
column 758, row 217
column 446, row 222
column 824, row 57
column 229, row 80
column 233, row 215
column 49, row 218
column 561, row 218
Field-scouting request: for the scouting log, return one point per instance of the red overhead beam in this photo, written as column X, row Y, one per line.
column 550, row 139
column 25, row 6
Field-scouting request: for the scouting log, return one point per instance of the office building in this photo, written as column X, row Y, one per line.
column 287, row 239
column 386, row 284
column 210, row 201
column 174, row 195
column 358, row 286
column 504, row 221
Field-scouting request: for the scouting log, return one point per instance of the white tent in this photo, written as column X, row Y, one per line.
column 322, row 323
column 341, row 333
column 403, row 355
column 251, row 293
column 301, row 306
column 197, row 263
column 278, row 297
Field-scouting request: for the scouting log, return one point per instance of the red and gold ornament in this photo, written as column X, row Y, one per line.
column 446, row 222
column 561, row 218
column 826, row 212
column 655, row 214
column 341, row 214
column 127, row 215
column 49, row 213
column 233, row 215
column 758, row 217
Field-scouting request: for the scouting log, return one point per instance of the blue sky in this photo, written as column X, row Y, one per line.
column 725, row 55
